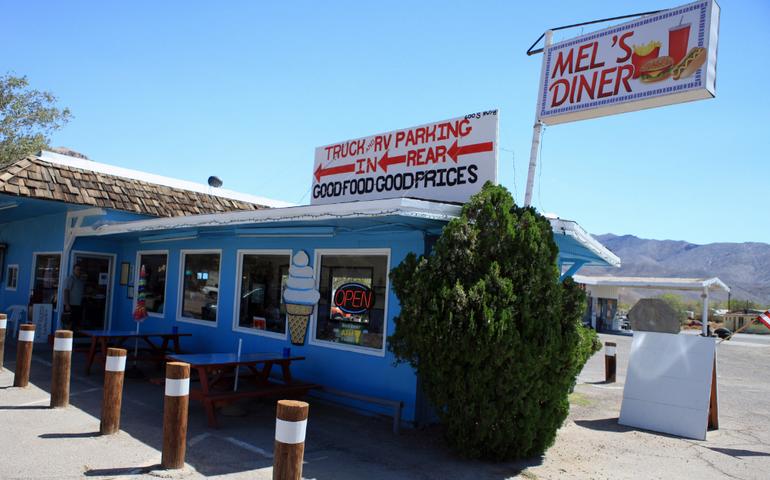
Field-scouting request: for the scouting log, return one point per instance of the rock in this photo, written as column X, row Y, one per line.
column 654, row 315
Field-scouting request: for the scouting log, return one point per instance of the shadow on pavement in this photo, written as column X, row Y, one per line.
column 109, row 472
column 25, row 407
column 70, row 435
column 604, row 425
column 737, row 453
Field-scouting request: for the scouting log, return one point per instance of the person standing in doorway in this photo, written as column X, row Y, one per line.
column 73, row 299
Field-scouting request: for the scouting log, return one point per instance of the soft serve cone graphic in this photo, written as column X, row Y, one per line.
column 300, row 296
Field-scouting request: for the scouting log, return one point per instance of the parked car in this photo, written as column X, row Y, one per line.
column 722, row 332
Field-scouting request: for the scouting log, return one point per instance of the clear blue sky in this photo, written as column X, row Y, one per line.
column 247, row 90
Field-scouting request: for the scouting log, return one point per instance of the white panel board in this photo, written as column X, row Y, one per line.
column 448, row 161
column 659, row 59
column 668, row 384
column 42, row 315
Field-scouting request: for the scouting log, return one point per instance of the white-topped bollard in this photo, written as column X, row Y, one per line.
column 112, row 396
column 175, row 405
column 60, row 370
column 3, row 326
column 24, row 354
column 290, row 428
column 610, row 364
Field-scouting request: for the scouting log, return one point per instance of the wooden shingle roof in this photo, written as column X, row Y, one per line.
column 33, row 177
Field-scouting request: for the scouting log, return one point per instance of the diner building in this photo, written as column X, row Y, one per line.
column 214, row 264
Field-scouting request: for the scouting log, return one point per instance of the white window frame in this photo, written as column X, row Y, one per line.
column 137, row 271
column 8, row 277
column 62, row 276
column 236, row 297
column 351, row 252
column 180, row 287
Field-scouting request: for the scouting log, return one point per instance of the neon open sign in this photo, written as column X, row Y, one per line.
column 354, row 298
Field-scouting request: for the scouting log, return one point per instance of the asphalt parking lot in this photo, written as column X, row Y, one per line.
column 42, row 443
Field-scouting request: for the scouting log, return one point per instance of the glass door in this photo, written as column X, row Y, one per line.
column 96, row 275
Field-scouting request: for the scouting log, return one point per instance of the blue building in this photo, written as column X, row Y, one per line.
column 219, row 272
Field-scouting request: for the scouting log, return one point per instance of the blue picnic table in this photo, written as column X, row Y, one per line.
column 215, row 372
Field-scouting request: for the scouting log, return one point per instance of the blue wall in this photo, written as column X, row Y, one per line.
column 44, row 233
column 23, row 238
column 341, row 369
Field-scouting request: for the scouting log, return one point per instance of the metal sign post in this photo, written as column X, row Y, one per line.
column 537, row 132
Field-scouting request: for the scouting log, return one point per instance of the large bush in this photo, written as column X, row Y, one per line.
column 495, row 337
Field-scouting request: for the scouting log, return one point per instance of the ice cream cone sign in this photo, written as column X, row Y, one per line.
column 140, row 311
column 300, row 296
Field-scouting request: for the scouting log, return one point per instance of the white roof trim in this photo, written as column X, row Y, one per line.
column 406, row 207
column 73, row 162
column 571, row 228
column 661, row 283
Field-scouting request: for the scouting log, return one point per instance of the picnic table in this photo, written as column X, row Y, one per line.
column 102, row 339
column 215, row 373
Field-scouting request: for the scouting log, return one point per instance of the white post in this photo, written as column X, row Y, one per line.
column 536, row 131
column 238, row 367
column 705, row 315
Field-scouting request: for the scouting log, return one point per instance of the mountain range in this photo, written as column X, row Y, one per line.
column 744, row 267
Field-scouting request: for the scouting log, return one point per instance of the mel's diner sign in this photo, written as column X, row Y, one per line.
column 446, row 161
column 660, row 59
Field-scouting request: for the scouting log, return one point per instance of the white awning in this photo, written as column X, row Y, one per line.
column 658, row 283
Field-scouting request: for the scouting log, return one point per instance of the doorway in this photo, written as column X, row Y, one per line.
column 96, row 273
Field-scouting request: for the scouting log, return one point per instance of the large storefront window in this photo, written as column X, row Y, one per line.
column 155, row 280
column 200, row 280
column 45, row 286
column 263, row 277
column 353, row 296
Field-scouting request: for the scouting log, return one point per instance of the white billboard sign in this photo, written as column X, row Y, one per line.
column 445, row 161
column 659, row 59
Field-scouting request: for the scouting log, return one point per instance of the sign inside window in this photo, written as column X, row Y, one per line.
column 354, row 298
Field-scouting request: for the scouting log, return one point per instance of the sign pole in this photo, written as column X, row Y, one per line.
column 537, row 131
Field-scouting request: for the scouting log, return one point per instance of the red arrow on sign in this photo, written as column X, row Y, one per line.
column 387, row 161
column 322, row 172
column 455, row 151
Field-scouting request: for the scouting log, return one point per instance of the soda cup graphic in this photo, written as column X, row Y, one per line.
column 678, row 38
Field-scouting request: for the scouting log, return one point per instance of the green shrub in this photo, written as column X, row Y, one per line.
column 496, row 339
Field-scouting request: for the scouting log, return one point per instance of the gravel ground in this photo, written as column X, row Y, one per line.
column 39, row 442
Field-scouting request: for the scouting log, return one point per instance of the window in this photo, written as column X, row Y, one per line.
column 154, row 264
column 352, row 306
column 45, row 282
column 12, row 277
column 262, row 278
column 200, row 285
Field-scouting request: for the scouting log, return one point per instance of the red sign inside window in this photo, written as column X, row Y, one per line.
column 354, row 298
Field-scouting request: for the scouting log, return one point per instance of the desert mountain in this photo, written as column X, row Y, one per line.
column 745, row 267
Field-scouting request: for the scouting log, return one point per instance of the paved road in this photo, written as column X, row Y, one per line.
column 38, row 442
